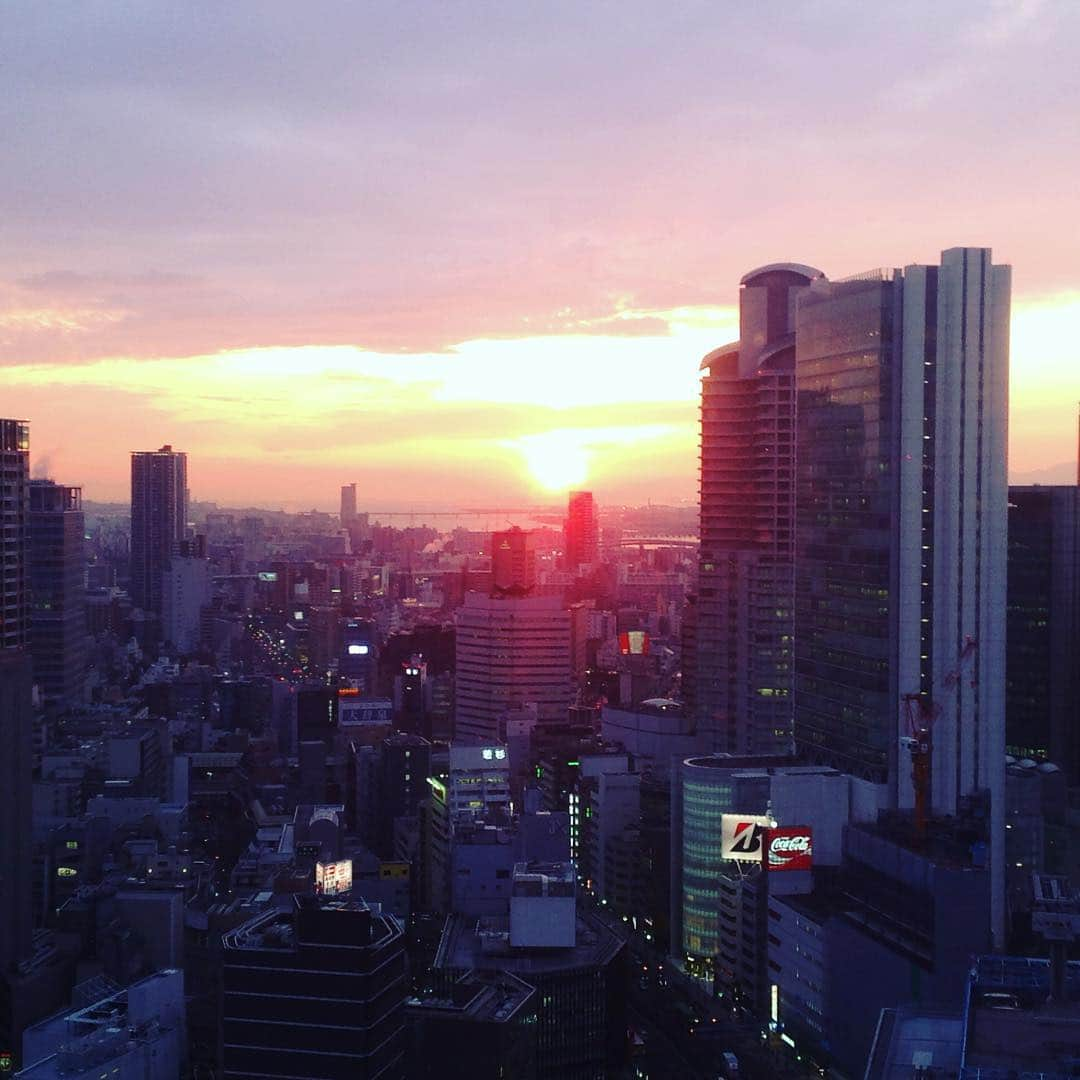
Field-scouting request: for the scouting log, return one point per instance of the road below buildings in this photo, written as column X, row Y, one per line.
column 685, row 1030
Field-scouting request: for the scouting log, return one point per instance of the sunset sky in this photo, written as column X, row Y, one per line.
column 471, row 252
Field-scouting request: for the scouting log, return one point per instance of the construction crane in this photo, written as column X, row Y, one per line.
column 921, row 712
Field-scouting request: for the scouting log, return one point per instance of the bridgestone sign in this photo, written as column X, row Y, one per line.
column 740, row 836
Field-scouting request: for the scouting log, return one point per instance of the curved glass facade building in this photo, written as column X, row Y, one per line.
column 706, row 794
column 707, row 788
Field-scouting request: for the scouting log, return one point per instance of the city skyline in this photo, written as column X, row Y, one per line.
column 500, row 273
column 539, row 540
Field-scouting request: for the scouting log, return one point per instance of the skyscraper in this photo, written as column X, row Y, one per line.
column 887, row 510
column 901, row 498
column 14, row 525
column 348, row 505
column 57, row 590
column 900, row 528
column 580, row 530
column 510, row 651
column 1042, row 684
column 744, row 609
column 16, row 721
column 158, row 519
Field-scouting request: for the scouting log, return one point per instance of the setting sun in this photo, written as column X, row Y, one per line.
column 557, row 460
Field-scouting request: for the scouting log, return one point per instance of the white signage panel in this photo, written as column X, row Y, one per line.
column 741, row 836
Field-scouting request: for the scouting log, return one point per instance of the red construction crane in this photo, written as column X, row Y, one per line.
column 921, row 713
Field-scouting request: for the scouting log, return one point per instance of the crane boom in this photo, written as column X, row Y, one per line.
column 921, row 712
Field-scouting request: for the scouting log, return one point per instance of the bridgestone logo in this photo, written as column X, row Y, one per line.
column 747, row 837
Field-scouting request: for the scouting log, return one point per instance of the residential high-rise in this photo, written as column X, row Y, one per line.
column 510, row 651
column 513, row 560
column 159, row 500
column 1042, row 684
column 58, row 638
column 580, row 530
column 348, row 505
column 744, row 609
column 14, row 532
column 16, row 720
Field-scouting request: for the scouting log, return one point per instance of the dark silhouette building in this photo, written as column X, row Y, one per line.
column 159, row 500
column 316, row 990
column 513, row 560
column 580, row 531
column 1042, row 683
column 16, row 724
column 57, row 590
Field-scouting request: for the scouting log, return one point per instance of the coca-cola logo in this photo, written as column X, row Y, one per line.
column 790, row 849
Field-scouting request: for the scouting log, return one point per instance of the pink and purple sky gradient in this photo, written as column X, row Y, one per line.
column 463, row 252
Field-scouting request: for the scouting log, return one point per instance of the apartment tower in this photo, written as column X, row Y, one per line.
column 580, row 531
column 57, row 590
column 16, row 719
column 159, row 500
column 745, row 599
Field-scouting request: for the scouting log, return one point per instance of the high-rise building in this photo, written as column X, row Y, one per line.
column 901, row 500
column 742, row 663
column 187, row 589
column 511, row 650
column 159, row 500
column 14, row 535
column 16, row 720
column 864, row 559
column 58, row 638
column 580, row 530
column 348, row 505
column 513, row 560
column 1042, row 684
column 900, row 529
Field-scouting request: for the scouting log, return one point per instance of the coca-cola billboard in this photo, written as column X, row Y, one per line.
column 789, row 848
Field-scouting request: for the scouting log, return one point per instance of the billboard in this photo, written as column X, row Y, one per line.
column 789, row 848
column 741, row 836
column 333, row 877
column 353, row 709
column 634, row 643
